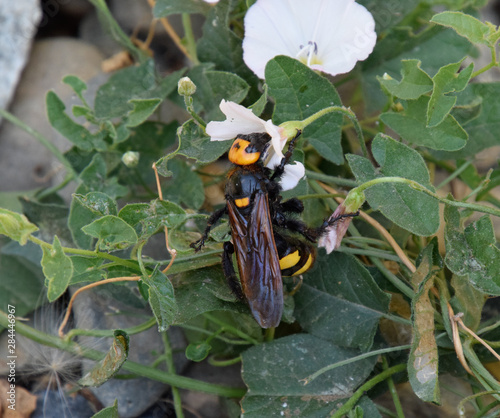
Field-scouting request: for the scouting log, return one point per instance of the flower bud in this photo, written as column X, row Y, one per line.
column 185, row 87
column 131, row 159
column 291, row 128
column 354, row 200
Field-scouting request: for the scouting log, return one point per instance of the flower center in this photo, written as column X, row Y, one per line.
column 308, row 54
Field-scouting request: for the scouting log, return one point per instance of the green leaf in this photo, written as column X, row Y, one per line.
column 412, row 126
column 109, row 365
column 16, row 226
column 194, row 143
column 143, row 109
column 151, row 139
column 77, row 84
column 10, row 200
column 149, row 218
column 52, row 219
column 86, row 209
column 213, row 86
column 220, row 45
column 410, row 209
column 467, row 300
column 162, row 299
column 333, row 309
column 109, row 23
column 71, row 130
column 95, row 178
column 259, row 106
column 414, row 81
column 274, row 374
column 198, row 351
column 423, row 360
column 22, row 280
column 300, row 92
column 472, row 251
column 434, row 47
column 165, row 8
column 86, row 269
column 447, row 80
column 57, row 268
column 204, row 290
column 112, row 232
column 116, row 97
column 185, row 187
column 386, row 18
column 479, row 114
column 109, row 412
column 465, row 25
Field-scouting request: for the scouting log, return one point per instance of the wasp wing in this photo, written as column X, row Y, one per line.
column 258, row 260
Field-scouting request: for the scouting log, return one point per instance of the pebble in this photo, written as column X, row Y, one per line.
column 19, row 24
column 93, row 310
column 24, row 163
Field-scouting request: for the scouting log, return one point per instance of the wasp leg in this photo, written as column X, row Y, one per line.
column 211, row 221
column 228, row 269
column 297, row 286
column 311, row 234
column 332, row 221
column 292, row 205
column 279, row 170
column 296, row 225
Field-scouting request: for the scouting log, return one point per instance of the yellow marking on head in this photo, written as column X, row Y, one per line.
column 306, row 266
column 238, row 154
column 289, row 260
column 243, row 202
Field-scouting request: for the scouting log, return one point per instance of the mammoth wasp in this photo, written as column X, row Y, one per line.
column 260, row 225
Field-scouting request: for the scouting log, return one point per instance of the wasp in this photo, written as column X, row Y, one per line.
column 261, row 229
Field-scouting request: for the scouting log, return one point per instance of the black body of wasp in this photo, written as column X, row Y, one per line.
column 260, row 221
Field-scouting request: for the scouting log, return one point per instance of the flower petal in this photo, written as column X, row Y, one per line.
column 239, row 120
column 328, row 35
column 278, row 142
column 292, row 175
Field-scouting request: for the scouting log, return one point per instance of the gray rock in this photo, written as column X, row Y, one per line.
column 24, row 163
column 92, row 310
column 52, row 404
column 19, row 20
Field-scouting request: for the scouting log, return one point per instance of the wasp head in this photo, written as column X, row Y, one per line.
column 248, row 149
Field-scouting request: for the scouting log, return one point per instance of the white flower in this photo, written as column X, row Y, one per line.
column 327, row 35
column 242, row 121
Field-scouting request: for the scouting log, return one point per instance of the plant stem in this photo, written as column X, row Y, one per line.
column 88, row 253
column 331, row 179
column 188, row 102
column 169, row 360
column 493, row 63
column 42, row 140
column 231, row 329
column 403, row 288
column 325, row 369
column 393, row 391
column 420, row 188
column 189, row 37
column 269, row 334
column 136, row 368
column 109, row 332
column 346, row 112
column 223, row 363
column 367, row 386
column 461, row 405
column 455, row 174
